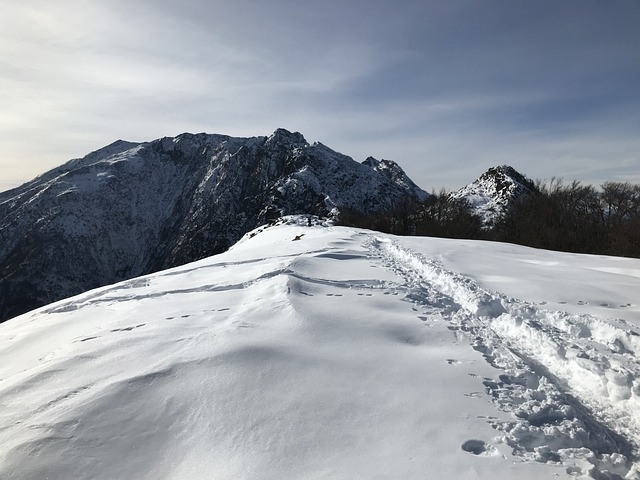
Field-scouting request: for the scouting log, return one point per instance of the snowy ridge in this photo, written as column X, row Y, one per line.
column 314, row 351
column 573, row 380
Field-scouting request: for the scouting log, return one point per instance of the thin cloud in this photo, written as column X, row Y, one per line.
column 444, row 88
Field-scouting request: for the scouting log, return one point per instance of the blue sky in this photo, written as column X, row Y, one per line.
column 445, row 88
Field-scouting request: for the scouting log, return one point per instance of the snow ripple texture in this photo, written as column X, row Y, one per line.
column 571, row 382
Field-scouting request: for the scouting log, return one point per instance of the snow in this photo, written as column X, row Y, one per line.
column 332, row 352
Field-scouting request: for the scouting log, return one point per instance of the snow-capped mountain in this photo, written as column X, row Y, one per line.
column 493, row 191
column 313, row 351
column 134, row 208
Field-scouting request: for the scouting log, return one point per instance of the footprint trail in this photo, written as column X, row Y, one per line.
column 570, row 382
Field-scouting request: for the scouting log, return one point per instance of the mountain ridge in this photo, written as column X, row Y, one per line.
column 130, row 208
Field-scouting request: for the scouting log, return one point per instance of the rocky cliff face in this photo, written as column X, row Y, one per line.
column 129, row 209
column 493, row 191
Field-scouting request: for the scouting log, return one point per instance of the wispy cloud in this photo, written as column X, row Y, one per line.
column 445, row 88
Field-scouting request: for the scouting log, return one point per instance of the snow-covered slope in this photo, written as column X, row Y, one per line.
column 130, row 209
column 330, row 352
column 493, row 191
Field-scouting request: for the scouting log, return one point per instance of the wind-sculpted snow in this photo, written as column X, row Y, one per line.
column 572, row 381
column 314, row 351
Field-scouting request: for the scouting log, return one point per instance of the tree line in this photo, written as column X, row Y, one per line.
column 569, row 217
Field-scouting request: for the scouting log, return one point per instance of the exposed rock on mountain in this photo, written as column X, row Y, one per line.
column 393, row 172
column 133, row 208
column 493, row 191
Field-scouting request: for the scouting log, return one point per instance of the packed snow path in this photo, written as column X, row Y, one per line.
column 572, row 381
column 326, row 352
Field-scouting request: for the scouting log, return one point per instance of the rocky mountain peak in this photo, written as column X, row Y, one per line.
column 505, row 179
column 371, row 162
column 286, row 138
column 494, row 190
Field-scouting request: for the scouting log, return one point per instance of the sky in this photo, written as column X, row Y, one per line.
column 445, row 88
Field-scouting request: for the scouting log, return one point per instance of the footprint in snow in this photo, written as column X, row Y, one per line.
column 128, row 329
column 476, row 447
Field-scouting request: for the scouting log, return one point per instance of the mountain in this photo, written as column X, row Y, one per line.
column 493, row 191
column 393, row 172
column 133, row 208
column 331, row 352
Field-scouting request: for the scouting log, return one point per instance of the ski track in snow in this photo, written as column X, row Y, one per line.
column 571, row 382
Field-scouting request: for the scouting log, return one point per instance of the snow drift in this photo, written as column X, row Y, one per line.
column 328, row 352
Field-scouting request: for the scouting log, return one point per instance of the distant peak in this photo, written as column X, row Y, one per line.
column 283, row 136
column 118, row 145
column 502, row 172
column 492, row 193
column 121, row 142
column 371, row 162
column 382, row 164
